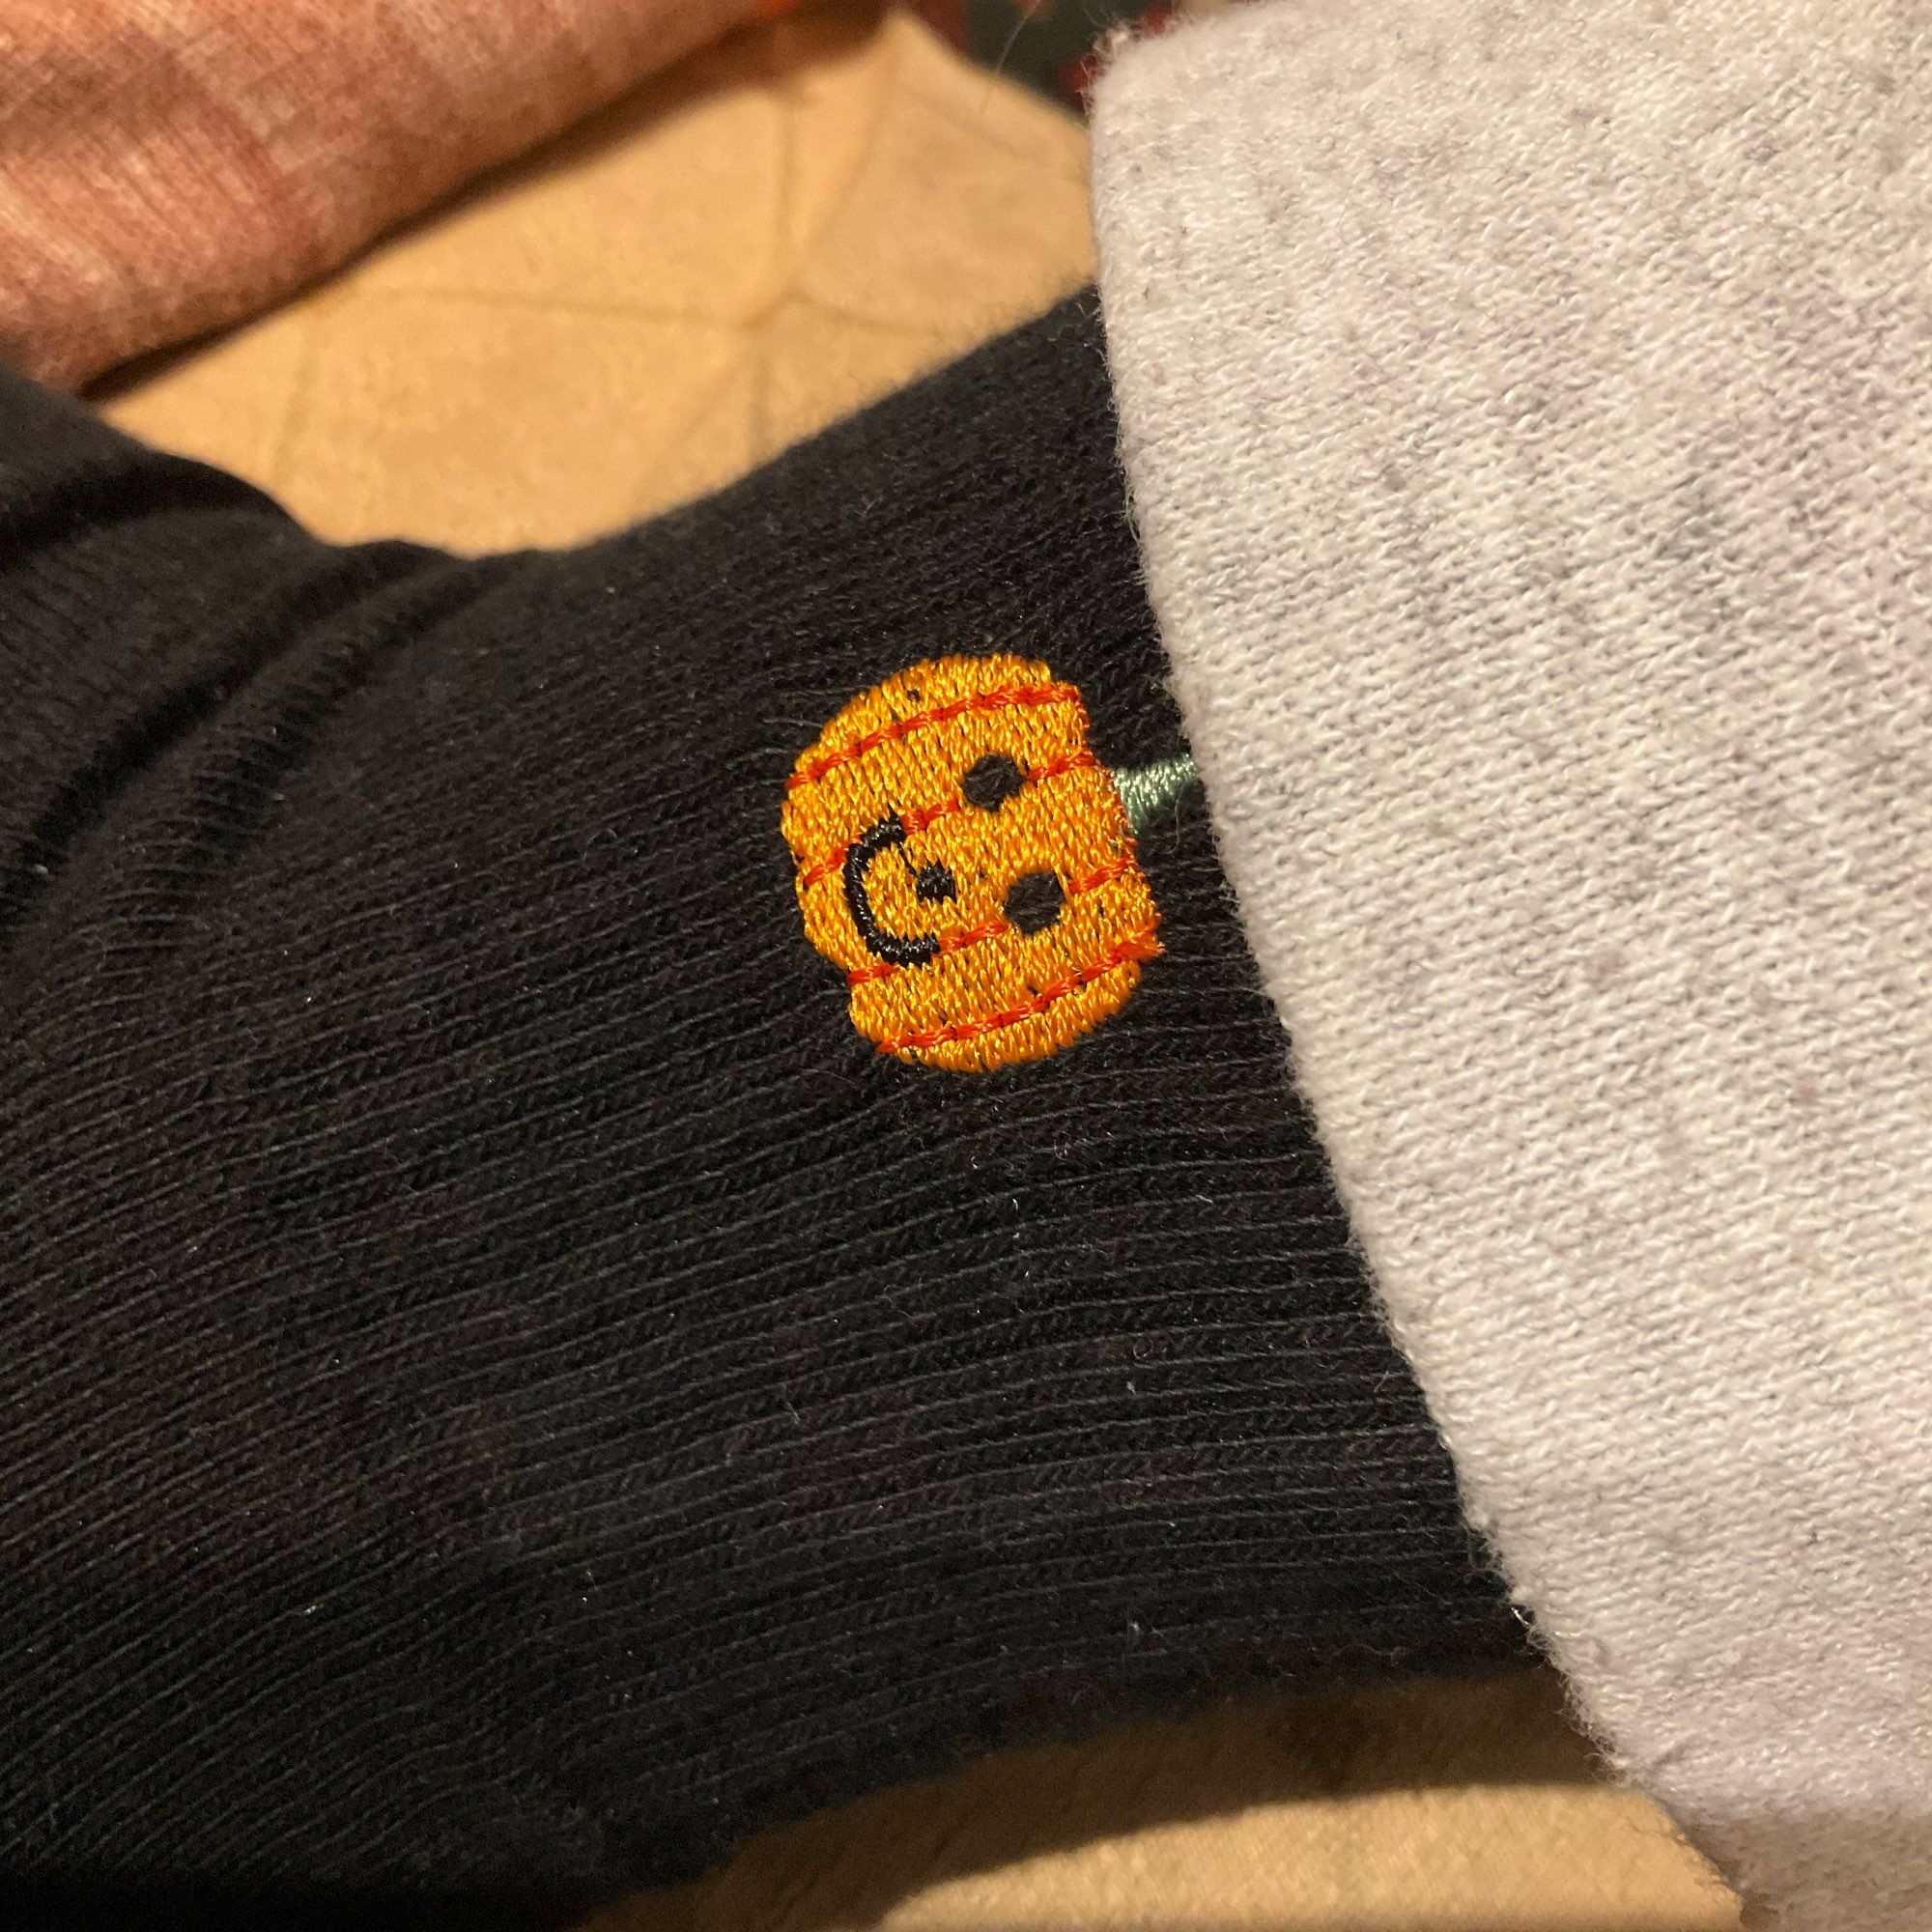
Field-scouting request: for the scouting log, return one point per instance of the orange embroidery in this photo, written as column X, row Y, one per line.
column 1138, row 946
column 810, row 770
column 1004, row 916
column 918, row 819
column 963, row 936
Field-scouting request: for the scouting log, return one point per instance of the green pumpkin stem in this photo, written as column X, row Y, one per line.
column 1145, row 788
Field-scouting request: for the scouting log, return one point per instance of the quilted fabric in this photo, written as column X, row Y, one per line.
column 782, row 228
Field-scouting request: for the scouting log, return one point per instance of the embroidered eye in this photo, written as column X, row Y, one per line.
column 1033, row 902
column 991, row 781
column 935, row 884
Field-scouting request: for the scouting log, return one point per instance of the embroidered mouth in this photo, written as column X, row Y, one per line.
column 896, row 949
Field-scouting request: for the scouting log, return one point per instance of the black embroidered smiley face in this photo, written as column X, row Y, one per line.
column 964, row 856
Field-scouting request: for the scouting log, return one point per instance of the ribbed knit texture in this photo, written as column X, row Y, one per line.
column 1528, row 403
column 505, row 1382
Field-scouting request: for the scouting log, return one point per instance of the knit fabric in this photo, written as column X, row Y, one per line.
column 170, row 166
column 1529, row 409
column 505, row 1381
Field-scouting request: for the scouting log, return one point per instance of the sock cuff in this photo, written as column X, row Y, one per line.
column 1529, row 416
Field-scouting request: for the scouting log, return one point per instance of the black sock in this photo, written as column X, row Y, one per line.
column 506, row 1382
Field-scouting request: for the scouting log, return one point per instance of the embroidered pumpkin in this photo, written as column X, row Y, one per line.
column 966, row 860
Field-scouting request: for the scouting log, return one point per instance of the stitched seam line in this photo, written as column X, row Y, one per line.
column 963, row 936
column 955, row 941
column 1140, row 945
column 914, row 821
column 918, row 819
column 1005, row 699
